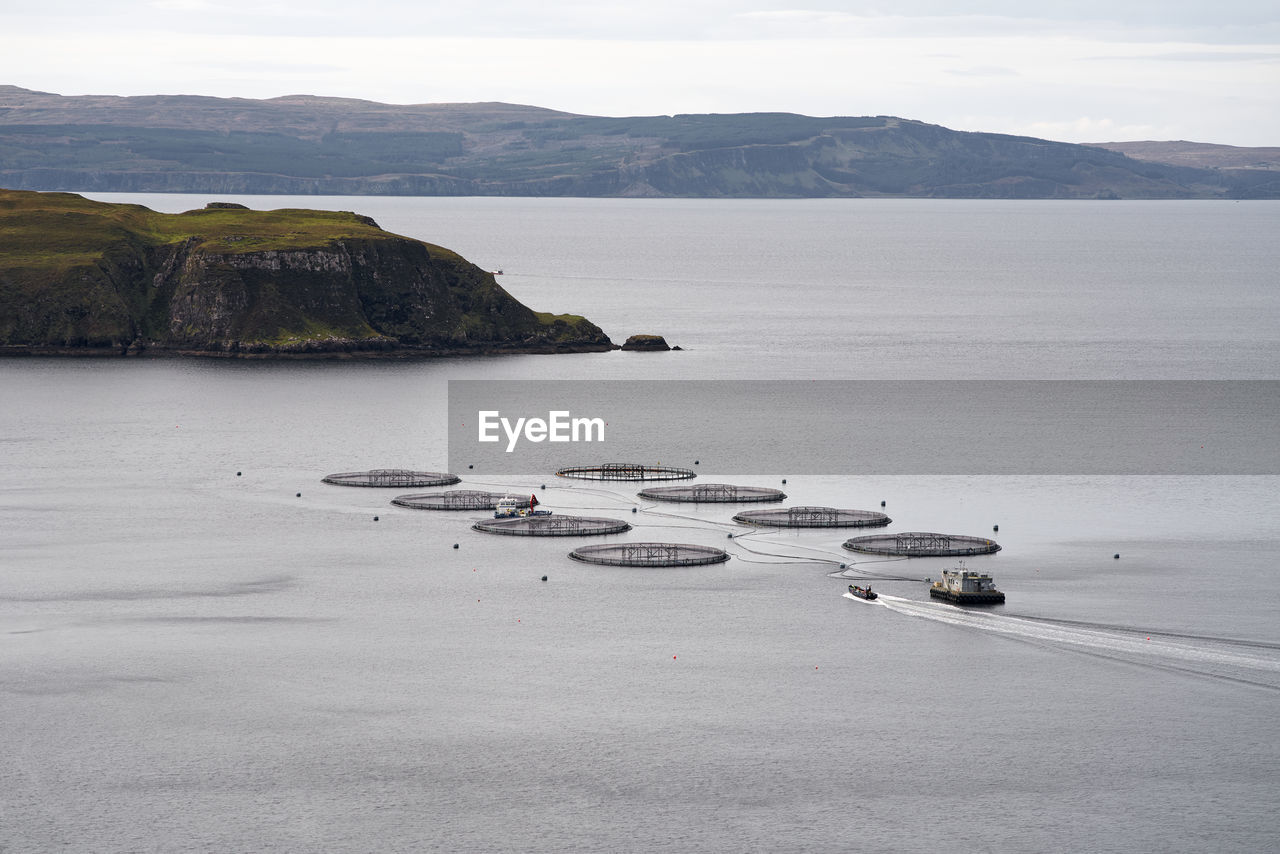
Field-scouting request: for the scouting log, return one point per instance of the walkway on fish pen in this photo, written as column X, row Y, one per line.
column 626, row 471
column 650, row 554
column 458, row 499
column 722, row 493
column 813, row 517
column 552, row 526
column 392, row 477
column 922, row 544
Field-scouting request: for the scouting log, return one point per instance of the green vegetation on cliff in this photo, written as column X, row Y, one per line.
column 76, row 273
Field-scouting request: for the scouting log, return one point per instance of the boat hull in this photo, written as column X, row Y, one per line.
column 991, row 597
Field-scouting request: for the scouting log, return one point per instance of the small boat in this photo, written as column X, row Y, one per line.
column 512, row 507
column 862, row 592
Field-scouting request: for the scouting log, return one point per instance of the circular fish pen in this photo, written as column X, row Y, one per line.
column 722, row 493
column 649, row 554
column 626, row 471
column 813, row 517
column 922, row 544
column 552, row 526
column 458, row 499
column 391, row 477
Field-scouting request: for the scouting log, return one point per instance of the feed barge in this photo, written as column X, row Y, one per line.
column 518, row 508
column 966, row 587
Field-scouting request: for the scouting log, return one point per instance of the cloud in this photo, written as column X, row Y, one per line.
column 1199, row 56
column 788, row 15
column 983, row 71
column 1023, row 74
column 181, row 5
column 1225, row 21
column 264, row 67
column 1089, row 129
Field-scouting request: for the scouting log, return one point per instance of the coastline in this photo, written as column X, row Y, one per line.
column 309, row 353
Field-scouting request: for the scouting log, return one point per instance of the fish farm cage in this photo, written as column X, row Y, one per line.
column 813, row 517
column 922, row 544
column 552, row 526
column 392, row 477
column 458, row 499
column 626, row 471
column 723, row 493
column 649, row 554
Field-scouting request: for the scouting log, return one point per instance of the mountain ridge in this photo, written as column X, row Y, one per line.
column 306, row 144
column 1204, row 155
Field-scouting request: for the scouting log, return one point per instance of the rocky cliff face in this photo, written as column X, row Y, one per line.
column 80, row 275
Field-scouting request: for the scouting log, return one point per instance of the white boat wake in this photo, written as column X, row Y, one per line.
column 1243, row 661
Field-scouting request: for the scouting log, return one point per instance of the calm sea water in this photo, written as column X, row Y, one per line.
column 192, row 660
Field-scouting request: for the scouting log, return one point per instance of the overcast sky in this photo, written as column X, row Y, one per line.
column 1084, row 71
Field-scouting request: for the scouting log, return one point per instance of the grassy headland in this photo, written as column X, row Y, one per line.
column 78, row 275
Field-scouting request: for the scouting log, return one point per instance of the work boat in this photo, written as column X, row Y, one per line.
column 862, row 592
column 966, row 587
column 512, row 507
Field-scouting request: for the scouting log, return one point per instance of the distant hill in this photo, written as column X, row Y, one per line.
column 305, row 144
column 1200, row 155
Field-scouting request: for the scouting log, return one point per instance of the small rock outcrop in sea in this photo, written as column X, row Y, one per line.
column 646, row 342
column 85, row 277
